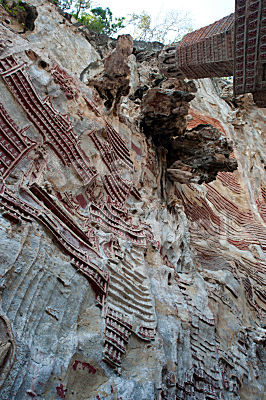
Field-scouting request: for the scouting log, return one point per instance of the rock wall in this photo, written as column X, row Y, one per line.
column 131, row 248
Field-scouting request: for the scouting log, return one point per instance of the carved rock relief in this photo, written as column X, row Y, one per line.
column 7, row 348
column 91, row 224
column 119, row 279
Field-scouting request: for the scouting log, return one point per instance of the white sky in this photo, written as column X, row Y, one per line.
column 203, row 12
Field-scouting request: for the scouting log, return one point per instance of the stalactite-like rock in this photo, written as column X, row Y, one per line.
column 113, row 81
column 192, row 156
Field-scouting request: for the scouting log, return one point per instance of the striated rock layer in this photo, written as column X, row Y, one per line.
column 132, row 229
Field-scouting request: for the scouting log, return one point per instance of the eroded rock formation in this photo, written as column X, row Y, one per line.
column 193, row 155
column 113, row 82
column 132, row 223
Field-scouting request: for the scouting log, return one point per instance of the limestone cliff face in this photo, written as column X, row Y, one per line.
column 132, row 224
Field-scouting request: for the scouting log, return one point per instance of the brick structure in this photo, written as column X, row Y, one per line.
column 208, row 52
column 250, row 49
column 234, row 45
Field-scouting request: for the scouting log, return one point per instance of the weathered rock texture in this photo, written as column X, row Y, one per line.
column 124, row 275
column 193, row 155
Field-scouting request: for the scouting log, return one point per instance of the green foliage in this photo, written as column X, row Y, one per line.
column 81, row 7
column 97, row 19
column 64, row 4
column 14, row 9
column 76, row 7
column 101, row 21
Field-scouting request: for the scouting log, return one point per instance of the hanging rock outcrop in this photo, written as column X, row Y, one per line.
column 194, row 155
column 113, row 82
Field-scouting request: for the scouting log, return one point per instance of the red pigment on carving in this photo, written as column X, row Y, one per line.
column 84, row 365
column 55, row 128
column 112, row 390
column 65, row 81
column 81, row 200
column 76, row 363
column 61, row 391
column 14, row 145
column 136, row 149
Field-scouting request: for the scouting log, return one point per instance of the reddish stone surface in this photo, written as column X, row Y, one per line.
column 198, row 118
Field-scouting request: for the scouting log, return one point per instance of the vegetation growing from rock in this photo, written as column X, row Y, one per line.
column 13, row 9
column 24, row 13
column 97, row 19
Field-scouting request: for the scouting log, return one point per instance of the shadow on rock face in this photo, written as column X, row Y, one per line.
column 24, row 13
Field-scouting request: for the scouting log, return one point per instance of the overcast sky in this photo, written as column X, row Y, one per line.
column 203, row 12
